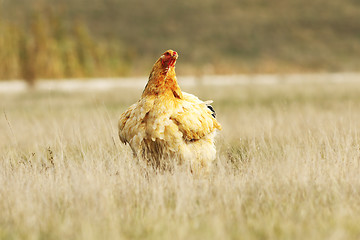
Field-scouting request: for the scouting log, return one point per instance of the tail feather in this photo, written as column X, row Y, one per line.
column 212, row 110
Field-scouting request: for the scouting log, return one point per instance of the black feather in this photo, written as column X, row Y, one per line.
column 212, row 110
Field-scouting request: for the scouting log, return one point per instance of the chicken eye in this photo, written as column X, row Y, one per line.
column 167, row 54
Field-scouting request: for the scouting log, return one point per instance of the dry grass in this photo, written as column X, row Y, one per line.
column 288, row 168
column 73, row 51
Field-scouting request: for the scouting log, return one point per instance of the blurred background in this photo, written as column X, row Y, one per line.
column 51, row 39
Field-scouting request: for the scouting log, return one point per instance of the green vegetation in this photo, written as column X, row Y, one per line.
column 213, row 37
column 287, row 168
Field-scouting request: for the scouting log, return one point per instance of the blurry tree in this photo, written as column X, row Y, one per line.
column 87, row 38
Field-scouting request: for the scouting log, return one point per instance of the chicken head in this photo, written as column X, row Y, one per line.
column 168, row 59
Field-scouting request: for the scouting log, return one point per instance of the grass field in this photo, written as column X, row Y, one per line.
column 287, row 168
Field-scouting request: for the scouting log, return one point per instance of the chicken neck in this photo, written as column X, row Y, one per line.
column 162, row 82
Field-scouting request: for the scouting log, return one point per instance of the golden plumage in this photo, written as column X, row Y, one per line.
column 167, row 125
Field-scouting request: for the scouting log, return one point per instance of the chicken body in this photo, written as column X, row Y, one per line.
column 167, row 125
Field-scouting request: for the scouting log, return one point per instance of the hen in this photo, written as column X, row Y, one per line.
column 168, row 126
